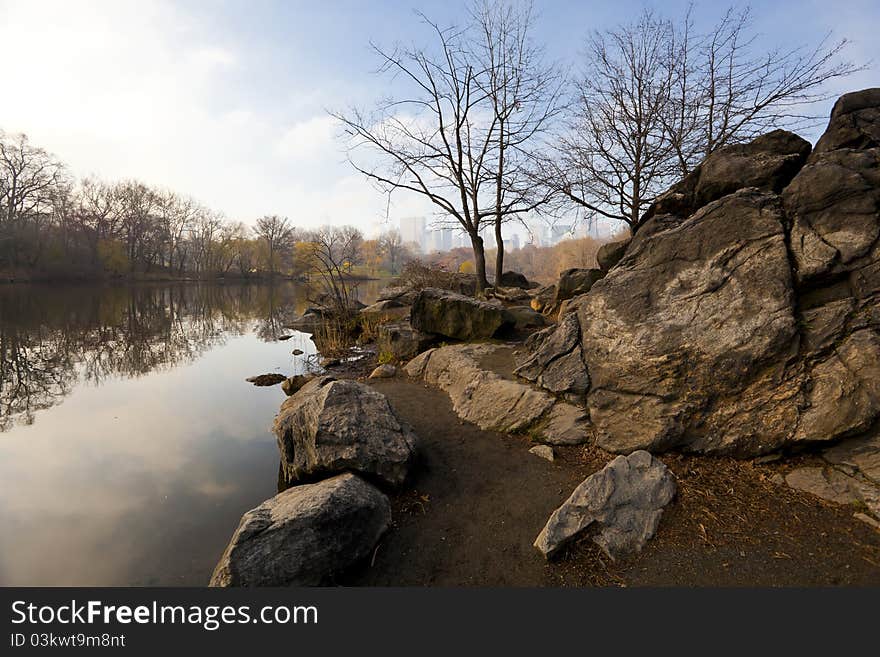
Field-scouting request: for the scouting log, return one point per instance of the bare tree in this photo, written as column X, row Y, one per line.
column 29, row 180
column 277, row 233
column 656, row 98
column 524, row 93
column 459, row 133
column 329, row 252
column 392, row 247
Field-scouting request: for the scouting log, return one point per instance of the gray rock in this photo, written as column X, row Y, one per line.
column 308, row 323
column 610, row 254
column 855, row 122
column 297, row 352
column 523, row 317
column 573, row 282
column 272, row 379
column 544, row 451
column 332, row 426
column 623, row 502
column 292, row 384
column 827, row 483
column 554, row 360
column 387, row 310
column 401, row 294
column 514, row 279
column 385, row 371
column 305, row 535
column 492, row 402
column 402, row 341
column 455, row 316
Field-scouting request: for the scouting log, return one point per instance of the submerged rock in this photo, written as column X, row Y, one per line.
column 331, row 426
column 305, row 535
column 624, row 502
column 272, row 379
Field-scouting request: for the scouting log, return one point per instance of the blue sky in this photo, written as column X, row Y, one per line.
column 225, row 100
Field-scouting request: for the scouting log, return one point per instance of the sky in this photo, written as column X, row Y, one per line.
column 226, row 100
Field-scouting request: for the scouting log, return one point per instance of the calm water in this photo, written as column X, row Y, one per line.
column 130, row 443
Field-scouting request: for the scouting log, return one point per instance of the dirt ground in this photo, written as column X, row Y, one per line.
column 479, row 499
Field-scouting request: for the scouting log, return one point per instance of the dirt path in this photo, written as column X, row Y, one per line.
column 479, row 499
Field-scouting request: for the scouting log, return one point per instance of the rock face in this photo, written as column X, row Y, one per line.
column 744, row 315
column 611, row 253
column 484, row 398
column 305, row 535
column 456, row 316
column 624, row 502
column 331, row 426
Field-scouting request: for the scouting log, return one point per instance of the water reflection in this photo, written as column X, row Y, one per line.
column 51, row 337
column 130, row 443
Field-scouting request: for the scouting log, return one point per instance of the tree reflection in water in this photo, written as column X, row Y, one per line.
column 52, row 337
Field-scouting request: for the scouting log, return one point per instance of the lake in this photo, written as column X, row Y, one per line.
column 130, row 443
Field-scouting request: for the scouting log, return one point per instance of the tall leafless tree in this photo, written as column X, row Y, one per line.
column 459, row 131
column 656, row 97
column 277, row 233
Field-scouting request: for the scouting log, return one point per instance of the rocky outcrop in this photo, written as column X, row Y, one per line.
column 555, row 360
column 456, row 316
column 387, row 310
column 485, row 398
column 402, row 341
column 623, row 503
column 305, row 535
column 385, row 371
column 744, row 315
column 610, row 254
column 398, row 294
column 332, row 426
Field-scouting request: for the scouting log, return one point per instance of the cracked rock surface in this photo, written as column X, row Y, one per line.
column 624, row 502
column 744, row 315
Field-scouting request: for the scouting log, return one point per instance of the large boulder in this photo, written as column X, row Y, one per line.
column 514, row 279
column 573, row 282
column 456, row 316
column 855, row 122
column 305, row 535
column 745, row 314
column 401, row 341
column 332, row 426
column 623, row 502
column 768, row 163
column 610, row 254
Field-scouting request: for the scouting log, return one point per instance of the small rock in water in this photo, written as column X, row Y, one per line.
column 383, row 372
column 298, row 352
column 328, row 362
column 544, row 451
column 284, row 337
column 266, row 379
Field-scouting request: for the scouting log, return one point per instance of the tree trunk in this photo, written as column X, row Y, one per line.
column 479, row 262
column 499, row 253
